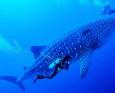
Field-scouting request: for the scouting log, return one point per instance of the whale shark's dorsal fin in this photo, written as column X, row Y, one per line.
column 84, row 63
column 36, row 50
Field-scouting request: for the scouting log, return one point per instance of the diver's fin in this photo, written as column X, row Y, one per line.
column 84, row 63
column 13, row 80
column 36, row 50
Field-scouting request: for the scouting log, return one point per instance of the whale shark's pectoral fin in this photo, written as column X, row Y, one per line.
column 36, row 50
column 84, row 63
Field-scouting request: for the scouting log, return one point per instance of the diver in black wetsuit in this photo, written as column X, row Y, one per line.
column 64, row 64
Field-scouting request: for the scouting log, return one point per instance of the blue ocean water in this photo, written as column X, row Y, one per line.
column 24, row 23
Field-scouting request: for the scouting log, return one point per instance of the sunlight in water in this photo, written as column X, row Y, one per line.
column 6, row 46
column 63, row 3
column 83, row 2
column 97, row 3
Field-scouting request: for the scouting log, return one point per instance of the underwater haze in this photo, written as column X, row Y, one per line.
column 25, row 23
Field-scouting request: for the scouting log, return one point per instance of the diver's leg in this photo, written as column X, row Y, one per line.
column 49, row 77
column 38, row 77
column 54, row 73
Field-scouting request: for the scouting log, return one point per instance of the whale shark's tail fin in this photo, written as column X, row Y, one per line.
column 13, row 80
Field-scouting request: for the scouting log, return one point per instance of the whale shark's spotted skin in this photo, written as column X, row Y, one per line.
column 79, row 42
column 78, row 45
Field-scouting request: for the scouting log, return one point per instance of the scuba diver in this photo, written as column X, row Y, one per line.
column 64, row 64
column 107, row 9
column 61, row 64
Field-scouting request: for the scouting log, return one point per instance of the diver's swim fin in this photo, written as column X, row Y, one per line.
column 13, row 80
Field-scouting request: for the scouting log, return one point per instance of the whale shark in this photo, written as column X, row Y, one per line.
column 76, row 46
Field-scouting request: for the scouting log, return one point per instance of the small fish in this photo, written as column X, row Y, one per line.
column 76, row 46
